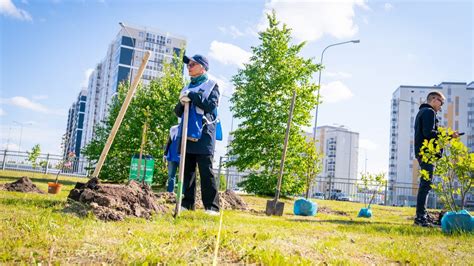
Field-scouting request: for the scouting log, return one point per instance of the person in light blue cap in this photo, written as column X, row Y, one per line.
column 203, row 94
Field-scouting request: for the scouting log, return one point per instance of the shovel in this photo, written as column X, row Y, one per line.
column 275, row 207
column 184, row 139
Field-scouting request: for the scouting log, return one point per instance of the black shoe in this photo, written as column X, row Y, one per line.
column 423, row 223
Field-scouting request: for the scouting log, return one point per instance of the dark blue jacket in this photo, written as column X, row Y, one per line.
column 426, row 126
column 206, row 143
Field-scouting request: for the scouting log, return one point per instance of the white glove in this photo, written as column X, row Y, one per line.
column 183, row 97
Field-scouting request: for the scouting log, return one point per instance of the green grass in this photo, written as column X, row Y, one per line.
column 33, row 228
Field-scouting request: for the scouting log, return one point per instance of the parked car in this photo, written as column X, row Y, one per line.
column 319, row 195
column 343, row 197
column 340, row 196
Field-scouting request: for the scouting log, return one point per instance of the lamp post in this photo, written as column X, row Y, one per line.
column 319, row 82
column 21, row 131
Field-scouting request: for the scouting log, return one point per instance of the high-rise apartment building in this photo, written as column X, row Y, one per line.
column 457, row 113
column 75, row 122
column 340, row 149
column 121, row 62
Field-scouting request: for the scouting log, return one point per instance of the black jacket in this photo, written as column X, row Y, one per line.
column 426, row 126
column 206, row 143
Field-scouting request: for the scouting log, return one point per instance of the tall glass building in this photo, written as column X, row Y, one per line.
column 121, row 62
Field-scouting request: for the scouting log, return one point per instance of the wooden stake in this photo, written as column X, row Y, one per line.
column 142, row 147
column 285, row 146
column 121, row 114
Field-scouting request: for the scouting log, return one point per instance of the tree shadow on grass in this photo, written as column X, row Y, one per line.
column 41, row 180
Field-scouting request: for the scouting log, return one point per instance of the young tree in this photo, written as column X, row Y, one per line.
column 372, row 185
column 261, row 100
column 312, row 162
column 33, row 155
column 454, row 165
column 155, row 104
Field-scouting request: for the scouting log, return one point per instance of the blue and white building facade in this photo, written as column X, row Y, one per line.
column 123, row 58
column 75, row 123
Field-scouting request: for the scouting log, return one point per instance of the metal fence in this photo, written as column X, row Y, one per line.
column 45, row 163
column 393, row 193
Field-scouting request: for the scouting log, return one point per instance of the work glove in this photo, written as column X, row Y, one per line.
column 183, row 97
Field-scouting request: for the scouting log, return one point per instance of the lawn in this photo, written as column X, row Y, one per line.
column 33, row 229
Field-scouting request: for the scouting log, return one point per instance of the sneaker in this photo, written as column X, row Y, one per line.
column 212, row 212
column 423, row 223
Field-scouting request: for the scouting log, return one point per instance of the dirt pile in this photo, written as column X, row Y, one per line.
column 166, row 197
column 23, row 184
column 111, row 202
column 228, row 200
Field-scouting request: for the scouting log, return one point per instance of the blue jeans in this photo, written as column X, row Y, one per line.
column 172, row 167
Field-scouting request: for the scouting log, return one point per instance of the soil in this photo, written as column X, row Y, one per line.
column 112, row 202
column 229, row 200
column 23, row 184
column 327, row 210
column 435, row 217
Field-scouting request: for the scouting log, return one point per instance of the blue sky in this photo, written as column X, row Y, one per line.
column 48, row 47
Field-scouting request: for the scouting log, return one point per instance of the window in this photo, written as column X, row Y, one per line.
column 128, row 41
column 125, row 56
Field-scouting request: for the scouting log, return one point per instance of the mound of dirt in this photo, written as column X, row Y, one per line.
column 228, row 200
column 111, row 202
column 166, row 197
column 23, row 184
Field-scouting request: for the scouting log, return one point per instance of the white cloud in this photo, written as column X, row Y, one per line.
column 387, row 7
column 26, row 103
column 2, row 113
column 337, row 75
column 365, row 20
column 47, row 136
column 367, row 144
column 228, row 54
column 87, row 74
column 334, row 92
column 312, row 19
column 7, row 8
column 225, row 87
column 232, row 30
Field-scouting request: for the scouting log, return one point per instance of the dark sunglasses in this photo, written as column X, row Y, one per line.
column 192, row 64
column 442, row 102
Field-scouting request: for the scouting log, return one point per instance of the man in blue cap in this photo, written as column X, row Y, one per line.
column 203, row 94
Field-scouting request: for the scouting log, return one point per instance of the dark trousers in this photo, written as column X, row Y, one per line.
column 423, row 190
column 209, row 189
column 172, row 167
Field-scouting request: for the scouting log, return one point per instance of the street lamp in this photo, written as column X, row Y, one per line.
column 319, row 82
column 21, row 131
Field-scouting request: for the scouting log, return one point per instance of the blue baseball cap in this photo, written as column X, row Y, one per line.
column 202, row 60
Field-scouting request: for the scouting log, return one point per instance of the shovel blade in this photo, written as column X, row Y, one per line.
column 274, row 209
